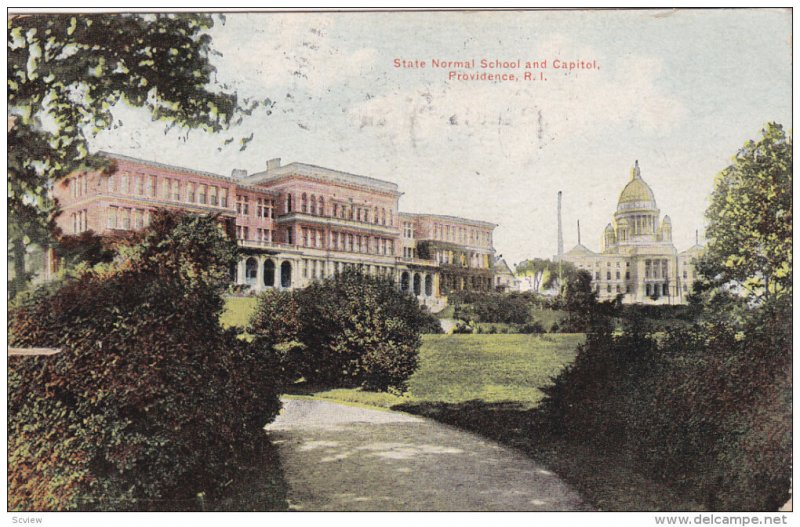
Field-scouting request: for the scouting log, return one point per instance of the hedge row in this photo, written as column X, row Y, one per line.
column 706, row 408
column 135, row 412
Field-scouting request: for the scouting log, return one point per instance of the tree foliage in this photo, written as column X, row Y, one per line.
column 133, row 413
column 546, row 274
column 68, row 73
column 750, row 218
column 354, row 330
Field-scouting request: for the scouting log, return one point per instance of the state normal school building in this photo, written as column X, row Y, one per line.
column 294, row 224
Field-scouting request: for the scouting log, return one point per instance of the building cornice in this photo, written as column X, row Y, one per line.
column 326, row 175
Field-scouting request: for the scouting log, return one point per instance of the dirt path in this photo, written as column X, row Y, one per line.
column 343, row 458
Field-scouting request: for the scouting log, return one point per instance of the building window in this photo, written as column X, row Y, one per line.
column 111, row 220
column 176, row 190
column 313, row 204
column 201, row 194
column 304, row 203
column 213, row 196
column 223, row 198
column 608, row 288
column 190, row 192
column 608, row 276
column 110, row 183
column 627, row 275
column 617, row 274
column 321, row 206
column 665, row 289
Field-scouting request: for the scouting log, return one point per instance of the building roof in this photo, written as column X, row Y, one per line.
column 452, row 219
column 174, row 168
column 501, row 266
column 580, row 250
column 637, row 191
column 163, row 166
column 321, row 173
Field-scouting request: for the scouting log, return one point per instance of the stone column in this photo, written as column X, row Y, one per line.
column 278, row 283
column 260, row 274
column 240, row 271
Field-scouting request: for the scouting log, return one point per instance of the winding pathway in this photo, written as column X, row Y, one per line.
column 344, row 458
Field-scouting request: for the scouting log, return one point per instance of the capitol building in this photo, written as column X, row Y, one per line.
column 638, row 259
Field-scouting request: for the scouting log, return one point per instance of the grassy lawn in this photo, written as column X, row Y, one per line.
column 460, row 368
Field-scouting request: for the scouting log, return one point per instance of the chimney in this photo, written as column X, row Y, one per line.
column 560, row 231
column 579, row 232
column 274, row 163
column 238, row 173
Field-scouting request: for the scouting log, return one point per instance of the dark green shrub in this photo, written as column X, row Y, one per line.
column 555, row 328
column 502, row 308
column 704, row 408
column 359, row 330
column 534, row 327
column 150, row 401
column 276, row 328
column 463, row 328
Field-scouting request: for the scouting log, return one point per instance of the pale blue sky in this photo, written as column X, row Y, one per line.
column 680, row 91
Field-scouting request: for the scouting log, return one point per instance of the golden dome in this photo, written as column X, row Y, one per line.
column 637, row 191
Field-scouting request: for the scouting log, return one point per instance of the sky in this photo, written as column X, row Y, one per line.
column 678, row 90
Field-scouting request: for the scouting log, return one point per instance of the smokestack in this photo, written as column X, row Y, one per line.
column 560, row 231
column 696, row 237
column 579, row 232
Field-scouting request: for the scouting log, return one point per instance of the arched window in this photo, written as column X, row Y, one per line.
column 375, row 216
column 428, row 285
column 251, row 271
column 304, row 203
column 288, row 203
column 269, row 273
column 417, row 284
column 383, row 216
column 313, row 204
column 404, row 282
column 321, row 206
column 286, row 275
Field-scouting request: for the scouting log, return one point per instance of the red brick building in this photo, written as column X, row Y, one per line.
column 294, row 223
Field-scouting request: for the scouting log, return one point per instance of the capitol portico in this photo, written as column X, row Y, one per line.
column 638, row 259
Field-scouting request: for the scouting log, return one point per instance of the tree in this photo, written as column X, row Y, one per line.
column 67, row 74
column 545, row 272
column 580, row 301
column 135, row 412
column 750, row 219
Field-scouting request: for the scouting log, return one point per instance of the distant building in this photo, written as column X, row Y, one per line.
column 638, row 260
column 294, row 223
column 504, row 279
